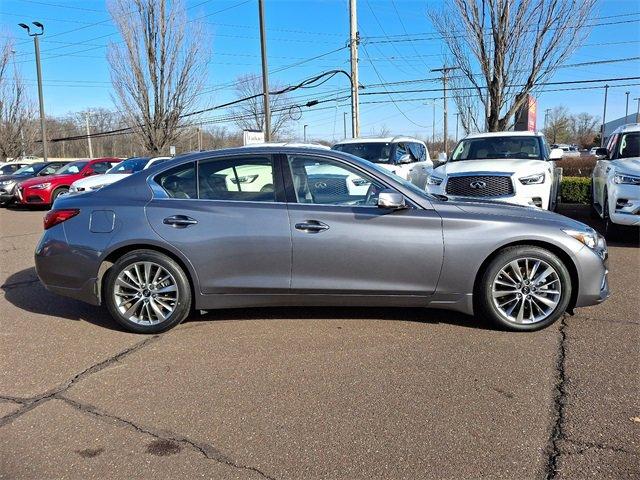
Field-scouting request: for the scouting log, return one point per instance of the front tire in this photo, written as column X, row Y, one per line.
column 147, row 292
column 611, row 230
column 57, row 192
column 524, row 288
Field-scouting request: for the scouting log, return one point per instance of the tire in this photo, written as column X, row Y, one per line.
column 537, row 313
column 57, row 192
column 593, row 211
column 135, row 304
column 611, row 230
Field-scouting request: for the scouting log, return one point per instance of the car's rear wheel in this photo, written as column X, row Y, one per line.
column 147, row 292
column 524, row 288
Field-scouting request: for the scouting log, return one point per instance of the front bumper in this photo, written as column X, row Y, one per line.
column 30, row 196
column 624, row 204
column 593, row 278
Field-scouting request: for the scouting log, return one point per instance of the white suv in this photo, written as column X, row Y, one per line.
column 616, row 179
column 513, row 167
column 407, row 157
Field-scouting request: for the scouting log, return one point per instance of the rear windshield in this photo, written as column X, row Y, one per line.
column 497, row 147
column 376, row 152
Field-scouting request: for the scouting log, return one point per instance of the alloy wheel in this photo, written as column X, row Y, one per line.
column 145, row 293
column 526, row 290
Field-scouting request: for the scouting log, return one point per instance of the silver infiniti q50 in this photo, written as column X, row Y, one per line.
column 268, row 226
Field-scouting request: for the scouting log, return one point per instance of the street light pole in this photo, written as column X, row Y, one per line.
column 354, row 39
column 445, row 70
column 604, row 115
column 638, row 111
column 36, row 43
column 626, row 109
column 304, row 134
column 344, row 124
column 265, row 74
column 89, row 134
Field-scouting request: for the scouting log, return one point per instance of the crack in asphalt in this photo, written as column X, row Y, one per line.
column 559, row 404
column 208, row 451
column 29, row 404
column 21, row 235
column 584, row 446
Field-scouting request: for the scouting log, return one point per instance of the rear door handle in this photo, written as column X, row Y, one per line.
column 179, row 221
column 312, row 226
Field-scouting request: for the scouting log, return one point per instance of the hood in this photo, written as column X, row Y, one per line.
column 502, row 165
column 627, row 165
column 103, row 179
column 46, row 178
column 490, row 207
column 12, row 177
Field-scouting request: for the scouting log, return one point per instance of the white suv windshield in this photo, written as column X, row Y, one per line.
column 497, row 147
column 376, row 152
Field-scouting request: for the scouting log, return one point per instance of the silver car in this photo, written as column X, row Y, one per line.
column 282, row 226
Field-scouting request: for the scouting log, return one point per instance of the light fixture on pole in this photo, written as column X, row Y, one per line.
column 36, row 43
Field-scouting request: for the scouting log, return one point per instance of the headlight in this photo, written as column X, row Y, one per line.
column 41, row 186
column 6, row 182
column 622, row 178
column 591, row 239
column 433, row 180
column 532, row 179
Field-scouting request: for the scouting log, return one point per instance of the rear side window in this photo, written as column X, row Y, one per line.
column 240, row 179
column 179, row 182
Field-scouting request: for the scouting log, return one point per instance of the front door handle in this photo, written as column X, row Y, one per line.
column 312, row 226
column 179, row 221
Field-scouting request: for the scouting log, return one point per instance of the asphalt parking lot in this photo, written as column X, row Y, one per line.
column 313, row 393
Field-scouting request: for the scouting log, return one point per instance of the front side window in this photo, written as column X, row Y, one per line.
column 376, row 152
column 29, row 169
column 240, row 179
column 629, row 145
column 328, row 182
column 490, row 148
column 179, row 182
column 72, row 168
column 101, row 167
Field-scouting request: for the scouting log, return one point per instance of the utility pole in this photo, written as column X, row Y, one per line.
column 354, row 39
column 457, row 124
column 304, row 133
column 86, row 117
column 433, row 124
column 626, row 109
column 445, row 70
column 43, row 123
column 265, row 74
column 344, row 124
column 638, row 111
column 604, row 115
column 546, row 117
column 199, row 139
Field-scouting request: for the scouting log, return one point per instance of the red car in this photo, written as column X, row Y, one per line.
column 44, row 190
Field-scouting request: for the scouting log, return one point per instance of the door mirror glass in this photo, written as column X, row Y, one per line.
column 391, row 199
column 442, row 157
column 406, row 158
column 556, row 154
column 601, row 153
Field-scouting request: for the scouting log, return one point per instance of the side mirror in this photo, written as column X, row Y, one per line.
column 442, row 157
column 391, row 199
column 556, row 154
column 406, row 158
column 602, row 153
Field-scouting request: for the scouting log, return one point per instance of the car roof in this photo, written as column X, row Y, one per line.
column 286, row 144
column 397, row 138
column 505, row 134
column 629, row 127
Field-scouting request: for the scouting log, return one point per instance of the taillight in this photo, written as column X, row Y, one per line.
column 54, row 217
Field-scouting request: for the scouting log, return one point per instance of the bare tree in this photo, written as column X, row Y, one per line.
column 157, row 69
column 504, row 49
column 558, row 127
column 250, row 113
column 584, row 129
column 17, row 128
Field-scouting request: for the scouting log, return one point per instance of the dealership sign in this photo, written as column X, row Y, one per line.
column 526, row 116
column 251, row 137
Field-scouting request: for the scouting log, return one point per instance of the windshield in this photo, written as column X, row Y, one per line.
column 29, row 169
column 376, row 152
column 71, row 168
column 132, row 165
column 629, row 145
column 485, row 148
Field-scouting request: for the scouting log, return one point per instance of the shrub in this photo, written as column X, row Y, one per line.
column 576, row 190
column 577, row 166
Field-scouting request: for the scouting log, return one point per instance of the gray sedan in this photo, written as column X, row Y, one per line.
column 284, row 226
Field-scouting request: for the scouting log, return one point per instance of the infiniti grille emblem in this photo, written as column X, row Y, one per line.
column 478, row 184
column 321, row 185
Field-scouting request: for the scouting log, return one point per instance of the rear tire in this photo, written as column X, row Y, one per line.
column 147, row 292
column 533, row 299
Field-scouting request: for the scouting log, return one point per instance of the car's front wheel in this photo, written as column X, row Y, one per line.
column 147, row 292
column 524, row 288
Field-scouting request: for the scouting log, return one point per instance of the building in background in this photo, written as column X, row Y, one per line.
column 609, row 127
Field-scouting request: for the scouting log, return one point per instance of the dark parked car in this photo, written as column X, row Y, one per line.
column 8, row 183
column 201, row 232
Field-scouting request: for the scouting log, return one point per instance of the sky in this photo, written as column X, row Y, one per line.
column 78, row 32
